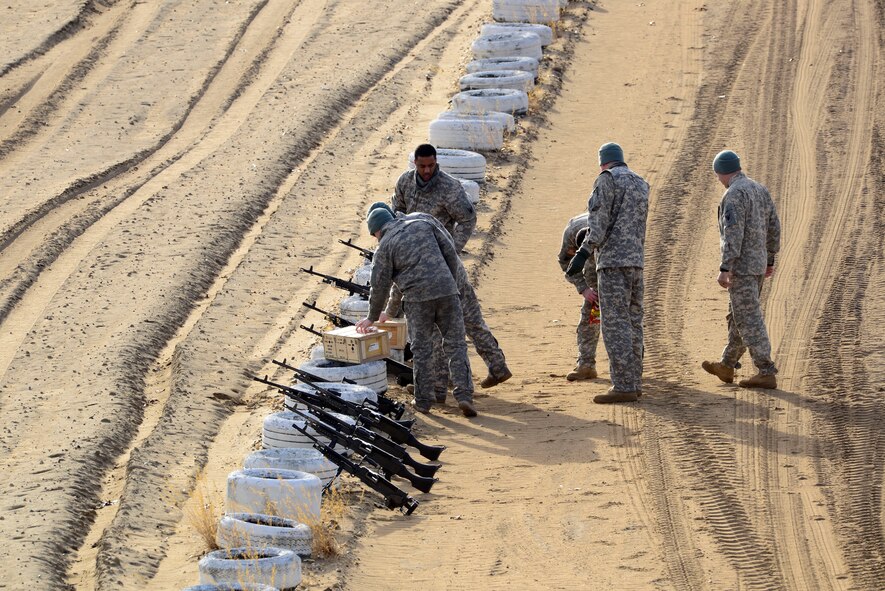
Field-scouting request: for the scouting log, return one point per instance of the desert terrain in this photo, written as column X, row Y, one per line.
column 167, row 167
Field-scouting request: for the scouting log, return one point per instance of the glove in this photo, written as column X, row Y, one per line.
column 576, row 265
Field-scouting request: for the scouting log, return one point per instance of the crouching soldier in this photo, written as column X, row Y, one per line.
column 585, row 283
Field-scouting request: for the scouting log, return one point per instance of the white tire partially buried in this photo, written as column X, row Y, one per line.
column 472, row 190
column 353, row 308
column 281, row 430
column 544, row 33
column 282, row 493
column 372, row 374
column 510, row 101
column 510, row 62
column 350, row 392
column 506, row 119
column 230, row 587
column 275, row 567
column 258, row 531
column 472, row 134
column 526, row 11
column 515, row 79
column 302, row 459
column 507, row 44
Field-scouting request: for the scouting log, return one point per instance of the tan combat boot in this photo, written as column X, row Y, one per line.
column 467, row 408
column 492, row 380
column 723, row 372
column 582, row 372
column 616, row 396
column 759, row 381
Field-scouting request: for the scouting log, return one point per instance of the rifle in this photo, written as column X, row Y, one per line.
column 394, row 497
column 368, row 254
column 353, row 288
column 388, row 464
column 399, row 432
column 384, row 405
column 402, row 372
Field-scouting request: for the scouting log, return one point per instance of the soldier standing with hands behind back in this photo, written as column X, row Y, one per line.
column 616, row 218
column 749, row 238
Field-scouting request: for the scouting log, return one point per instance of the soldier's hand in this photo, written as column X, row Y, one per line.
column 724, row 279
column 590, row 295
column 364, row 326
column 769, row 271
column 577, row 263
column 383, row 317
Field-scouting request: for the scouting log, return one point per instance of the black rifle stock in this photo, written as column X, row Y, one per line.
column 398, row 432
column 385, row 405
column 368, row 254
column 394, row 497
column 388, row 464
column 349, row 286
column 402, row 372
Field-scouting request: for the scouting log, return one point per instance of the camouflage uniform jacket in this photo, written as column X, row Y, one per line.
column 617, row 211
column 443, row 197
column 419, row 257
column 569, row 245
column 749, row 229
column 395, row 301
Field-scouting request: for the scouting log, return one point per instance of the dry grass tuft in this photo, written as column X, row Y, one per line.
column 332, row 512
column 204, row 512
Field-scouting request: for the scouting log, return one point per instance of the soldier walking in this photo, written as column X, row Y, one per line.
column 617, row 213
column 424, row 262
column 585, row 282
column 749, row 239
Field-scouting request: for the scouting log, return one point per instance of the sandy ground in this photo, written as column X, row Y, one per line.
column 167, row 167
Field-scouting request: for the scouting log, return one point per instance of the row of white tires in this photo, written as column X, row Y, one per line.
column 527, row 11
column 253, row 569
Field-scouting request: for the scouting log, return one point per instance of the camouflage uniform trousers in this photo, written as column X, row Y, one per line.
column 620, row 304
column 484, row 342
column 441, row 315
column 588, row 338
column 746, row 325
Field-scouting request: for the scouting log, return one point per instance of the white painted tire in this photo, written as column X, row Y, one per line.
column 510, row 101
column 515, row 79
column 282, row 493
column 511, row 62
column 507, row 44
column 354, row 308
column 318, row 352
column 251, row 530
column 363, row 274
column 300, row 459
column 278, row 430
column 505, row 119
column 275, row 567
column 544, row 33
column 526, row 11
column 372, row 374
column 231, row 587
column 472, row 190
column 470, row 134
column 350, row 392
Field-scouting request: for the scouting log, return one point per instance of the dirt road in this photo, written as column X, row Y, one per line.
column 168, row 167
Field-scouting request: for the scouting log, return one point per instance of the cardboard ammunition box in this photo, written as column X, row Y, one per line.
column 398, row 332
column 346, row 344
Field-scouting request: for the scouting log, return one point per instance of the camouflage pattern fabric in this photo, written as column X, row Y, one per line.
column 620, row 302
column 424, row 319
column 617, row 212
column 443, row 197
column 419, row 257
column 749, row 229
column 746, row 325
column 587, row 334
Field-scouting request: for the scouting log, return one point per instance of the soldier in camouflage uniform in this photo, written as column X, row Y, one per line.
column 617, row 212
column 422, row 260
column 585, row 283
column 474, row 325
column 428, row 189
column 749, row 239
